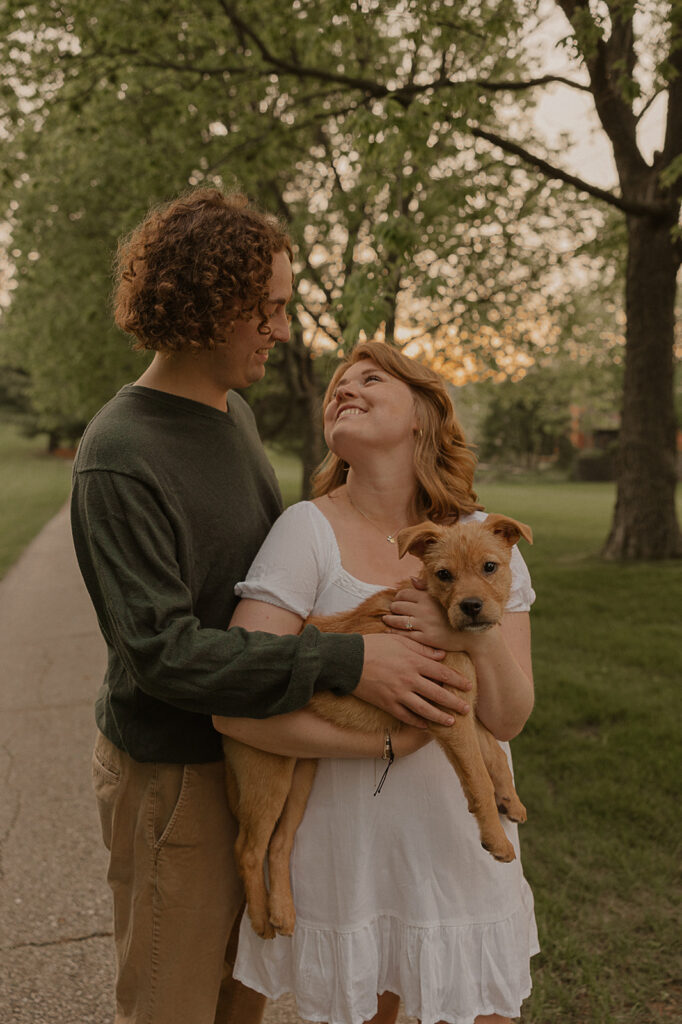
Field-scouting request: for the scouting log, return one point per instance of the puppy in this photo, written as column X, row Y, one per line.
column 466, row 569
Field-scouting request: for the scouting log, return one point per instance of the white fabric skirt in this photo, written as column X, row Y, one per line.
column 395, row 893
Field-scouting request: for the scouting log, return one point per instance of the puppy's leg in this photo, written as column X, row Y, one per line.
column 258, row 784
column 282, row 912
column 460, row 743
column 506, row 797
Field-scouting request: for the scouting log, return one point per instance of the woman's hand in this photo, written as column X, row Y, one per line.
column 416, row 614
column 501, row 656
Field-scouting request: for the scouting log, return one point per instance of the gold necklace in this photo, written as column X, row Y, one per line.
column 390, row 537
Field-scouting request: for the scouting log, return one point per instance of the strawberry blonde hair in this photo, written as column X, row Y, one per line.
column 443, row 461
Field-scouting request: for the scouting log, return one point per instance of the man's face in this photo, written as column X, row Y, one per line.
column 244, row 352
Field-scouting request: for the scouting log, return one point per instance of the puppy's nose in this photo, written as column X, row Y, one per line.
column 471, row 606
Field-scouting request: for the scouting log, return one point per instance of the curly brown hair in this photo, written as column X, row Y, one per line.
column 194, row 266
column 443, row 461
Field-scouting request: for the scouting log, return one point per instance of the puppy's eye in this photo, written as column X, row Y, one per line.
column 445, row 575
column 489, row 568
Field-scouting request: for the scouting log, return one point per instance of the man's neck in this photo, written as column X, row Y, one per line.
column 183, row 374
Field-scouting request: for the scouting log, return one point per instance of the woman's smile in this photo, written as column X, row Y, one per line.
column 349, row 410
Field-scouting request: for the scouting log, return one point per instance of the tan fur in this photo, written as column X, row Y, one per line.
column 268, row 793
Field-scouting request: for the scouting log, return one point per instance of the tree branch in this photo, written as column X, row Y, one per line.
column 635, row 207
column 531, row 83
column 184, row 67
column 278, row 63
column 607, row 61
column 376, row 89
column 649, row 103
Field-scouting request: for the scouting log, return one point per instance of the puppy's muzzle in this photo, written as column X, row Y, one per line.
column 470, row 622
column 471, row 606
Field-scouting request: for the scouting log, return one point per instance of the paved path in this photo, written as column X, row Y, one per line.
column 55, row 929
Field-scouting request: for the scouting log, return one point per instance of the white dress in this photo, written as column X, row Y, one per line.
column 393, row 892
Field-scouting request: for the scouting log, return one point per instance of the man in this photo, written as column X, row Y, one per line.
column 172, row 498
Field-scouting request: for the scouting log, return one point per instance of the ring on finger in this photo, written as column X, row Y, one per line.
column 410, row 624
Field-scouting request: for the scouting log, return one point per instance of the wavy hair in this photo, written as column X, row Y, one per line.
column 443, row 461
column 194, row 266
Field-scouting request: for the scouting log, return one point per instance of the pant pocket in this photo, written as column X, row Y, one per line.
column 170, row 821
column 106, row 782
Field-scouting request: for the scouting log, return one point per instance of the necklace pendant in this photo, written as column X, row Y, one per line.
column 391, row 538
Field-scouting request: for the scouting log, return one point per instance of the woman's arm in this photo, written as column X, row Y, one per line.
column 268, row 618
column 501, row 657
column 303, row 733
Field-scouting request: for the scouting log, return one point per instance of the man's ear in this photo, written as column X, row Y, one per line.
column 509, row 529
column 416, row 539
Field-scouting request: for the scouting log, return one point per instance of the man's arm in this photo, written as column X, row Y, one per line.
column 398, row 675
column 127, row 552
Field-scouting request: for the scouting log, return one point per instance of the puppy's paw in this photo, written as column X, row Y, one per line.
column 282, row 916
column 513, row 809
column 500, row 850
column 262, row 926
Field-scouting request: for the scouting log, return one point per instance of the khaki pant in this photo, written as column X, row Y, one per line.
column 176, row 892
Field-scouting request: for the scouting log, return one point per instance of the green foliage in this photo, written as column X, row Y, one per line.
column 14, row 403
column 115, row 106
column 672, row 173
column 526, row 419
column 85, row 188
column 530, row 418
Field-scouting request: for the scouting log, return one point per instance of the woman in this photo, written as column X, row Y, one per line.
column 395, row 896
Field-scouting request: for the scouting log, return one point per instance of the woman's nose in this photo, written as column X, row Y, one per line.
column 345, row 390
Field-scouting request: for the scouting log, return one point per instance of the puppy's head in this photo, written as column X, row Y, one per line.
column 466, row 566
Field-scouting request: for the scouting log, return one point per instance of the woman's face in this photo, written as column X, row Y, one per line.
column 371, row 408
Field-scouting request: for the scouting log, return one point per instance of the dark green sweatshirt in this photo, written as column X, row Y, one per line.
column 171, row 502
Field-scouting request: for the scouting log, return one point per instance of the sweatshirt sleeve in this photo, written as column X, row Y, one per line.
column 128, row 557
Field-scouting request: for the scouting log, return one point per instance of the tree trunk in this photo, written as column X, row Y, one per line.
column 645, row 523
column 313, row 449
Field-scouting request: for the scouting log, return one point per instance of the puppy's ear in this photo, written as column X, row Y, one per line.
column 416, row 539
column 508, row 529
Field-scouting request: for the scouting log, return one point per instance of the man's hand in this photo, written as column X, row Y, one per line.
column 406, row 679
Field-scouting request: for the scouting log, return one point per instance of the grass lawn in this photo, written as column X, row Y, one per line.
column 598, row 765
column 33, row 487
